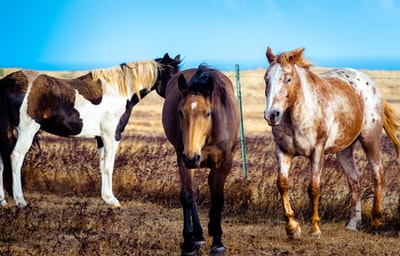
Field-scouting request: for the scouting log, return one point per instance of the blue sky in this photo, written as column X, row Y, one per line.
column 86, row 34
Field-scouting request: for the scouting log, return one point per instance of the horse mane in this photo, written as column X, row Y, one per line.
column 292, row 58
column 200, row 78
column 129, row 76
column 219, row 91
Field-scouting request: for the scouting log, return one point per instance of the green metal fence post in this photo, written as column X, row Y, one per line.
column 242, row 140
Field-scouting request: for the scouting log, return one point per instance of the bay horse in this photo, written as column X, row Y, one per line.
column 95, row 105
column 201, row 120
column 314, row 114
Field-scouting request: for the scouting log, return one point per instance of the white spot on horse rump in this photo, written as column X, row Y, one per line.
column 193, row 105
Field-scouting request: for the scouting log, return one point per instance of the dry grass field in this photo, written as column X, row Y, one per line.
column 66, row 215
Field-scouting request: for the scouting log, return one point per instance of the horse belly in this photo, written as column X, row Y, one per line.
column 75, row 122
column 341, row 137
column 97, row 118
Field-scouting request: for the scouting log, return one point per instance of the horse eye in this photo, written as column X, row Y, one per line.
column 288, row 80
column 208, row 114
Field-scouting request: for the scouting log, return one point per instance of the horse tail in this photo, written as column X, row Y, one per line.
column 7, row 136
column 391, row 125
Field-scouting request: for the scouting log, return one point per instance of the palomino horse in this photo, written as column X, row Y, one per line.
column 95, row 105
column 314, row 114
column 201, row 120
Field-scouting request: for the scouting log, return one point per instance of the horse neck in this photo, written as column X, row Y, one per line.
column 305, row 98
column 128, row 82
column 138, row 88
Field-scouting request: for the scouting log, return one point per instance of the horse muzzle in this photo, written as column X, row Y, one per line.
column 191, row 162
column 273, row 116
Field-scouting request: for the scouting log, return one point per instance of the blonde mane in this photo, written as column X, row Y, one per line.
column 129, row 77
column 292, row 58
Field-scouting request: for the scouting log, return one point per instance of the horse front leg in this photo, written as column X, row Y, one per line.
column 106, row 164
column 198, row 230
column 314, row 191
column 284, row 160
column 216, row 182
column 192, row 230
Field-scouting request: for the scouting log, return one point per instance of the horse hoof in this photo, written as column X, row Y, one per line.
column 3, row 203
column 193, row 253
column 114, row 203
column 316, row 234
column 22, row 205
column 294, row 234
column 217, row 251
column 200, row 245
column 353, row 225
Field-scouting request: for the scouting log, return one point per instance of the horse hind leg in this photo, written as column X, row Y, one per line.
column 26, row 133
column 3, row 201
column 352, row 173
column 372, row 150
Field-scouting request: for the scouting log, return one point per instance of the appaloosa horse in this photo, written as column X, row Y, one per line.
column 314, row 114
column 201, row 120
column 95, row 105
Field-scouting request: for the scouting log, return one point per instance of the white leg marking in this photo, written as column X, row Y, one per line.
column 107, row 158
column 3, row 201
column 355, row 220
column 24, row 141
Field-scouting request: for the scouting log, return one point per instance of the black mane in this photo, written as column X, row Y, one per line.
column 199, row 82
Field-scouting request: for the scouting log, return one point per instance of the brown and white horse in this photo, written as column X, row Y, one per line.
column 95, row 105
column 201, row 120
column 314, row 114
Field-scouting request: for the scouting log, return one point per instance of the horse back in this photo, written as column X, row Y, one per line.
column 352, row 105
column 360, row 90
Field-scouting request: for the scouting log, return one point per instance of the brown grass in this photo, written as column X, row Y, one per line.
column 67, row 217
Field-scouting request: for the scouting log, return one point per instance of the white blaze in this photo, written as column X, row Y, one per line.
column 274, row 81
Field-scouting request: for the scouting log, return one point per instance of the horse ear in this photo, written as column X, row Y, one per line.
column 177, row 59
column 296, row 55
column 182, row 84
column 270, row 56
column 166, row 57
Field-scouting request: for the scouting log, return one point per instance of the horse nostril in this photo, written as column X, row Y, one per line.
column 197, row 159
column 188, row 161
column 191, row 162
column 185, row 158
column 275, row 114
